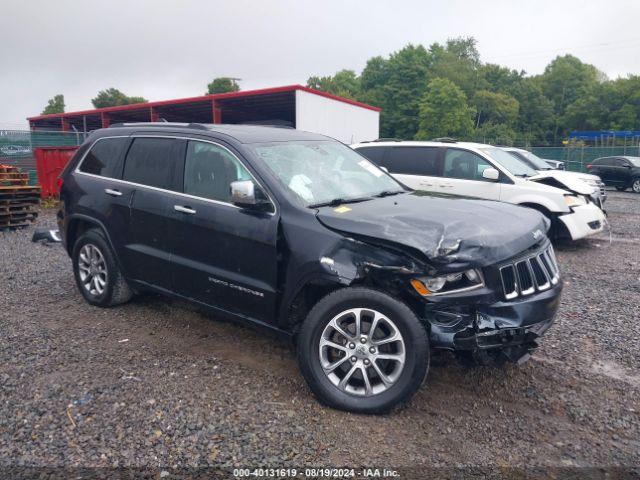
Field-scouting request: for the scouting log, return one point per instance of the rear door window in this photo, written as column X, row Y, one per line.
column 153, row 162
column 104, row 157
column 423, row 161
column 464, row 165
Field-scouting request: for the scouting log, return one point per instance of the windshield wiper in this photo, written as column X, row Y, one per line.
column 388, row 193
column 338, row 201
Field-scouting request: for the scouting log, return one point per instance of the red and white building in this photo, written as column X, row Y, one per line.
column 296, row 106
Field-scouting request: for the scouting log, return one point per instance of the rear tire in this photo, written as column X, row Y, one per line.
column 635, row 186
column 96, row 271
column 367, row 369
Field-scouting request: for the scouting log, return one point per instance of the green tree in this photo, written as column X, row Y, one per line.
column 495, row 108
column 223, row 85
column 565, row 80
column 501, row 79
column 112, row 97
column 373, row 79
column 536, row 117
column 510, row 105
column 459, row 61
column 590, row 110
column 625, row 103
column 496, row 134
column 397, row 85
column 55, row 105
column 444, row 112
column 344, row 83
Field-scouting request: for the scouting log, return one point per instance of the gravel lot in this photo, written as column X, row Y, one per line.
column 155, row 383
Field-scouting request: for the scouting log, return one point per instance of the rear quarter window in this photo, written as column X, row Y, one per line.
column 104, row 157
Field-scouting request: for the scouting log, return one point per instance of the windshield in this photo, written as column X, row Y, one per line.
column 325, row 172
column 634, row 160
column 532, row 160
column 514, row 165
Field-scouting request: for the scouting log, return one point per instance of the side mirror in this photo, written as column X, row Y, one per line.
column 245, row 194
column 626, row 165
column 491, row 174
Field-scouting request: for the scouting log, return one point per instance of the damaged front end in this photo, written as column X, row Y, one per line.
column 474, row 296
column 502, row 320
column 499, row 318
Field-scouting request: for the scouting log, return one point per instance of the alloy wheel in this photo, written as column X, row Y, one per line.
column 92, row 269
column 362, row 352
column 636, row 186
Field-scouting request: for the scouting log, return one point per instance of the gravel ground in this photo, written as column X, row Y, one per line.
column 156, row 384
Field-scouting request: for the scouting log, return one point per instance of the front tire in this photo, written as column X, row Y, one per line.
column 363, row 351
column 635, row 186
column 96, row 272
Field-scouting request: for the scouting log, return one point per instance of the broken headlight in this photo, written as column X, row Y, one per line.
column 451, row 283
column 574, row 200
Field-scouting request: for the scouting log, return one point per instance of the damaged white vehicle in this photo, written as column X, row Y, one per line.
column 561, row 178
column 484, row 171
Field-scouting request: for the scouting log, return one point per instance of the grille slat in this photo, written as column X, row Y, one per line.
column 526, row 276
column 509, row 284
column 525, row 279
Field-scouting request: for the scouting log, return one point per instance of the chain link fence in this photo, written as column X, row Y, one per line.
column 17, row 147
column 577, row 158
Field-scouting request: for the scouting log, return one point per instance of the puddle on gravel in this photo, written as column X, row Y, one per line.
column 606, row 368
column 617, row 372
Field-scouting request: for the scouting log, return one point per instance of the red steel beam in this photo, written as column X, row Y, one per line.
column 216, row 112
column 213, row 97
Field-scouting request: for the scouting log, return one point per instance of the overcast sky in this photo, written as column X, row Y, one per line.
column 169, row 49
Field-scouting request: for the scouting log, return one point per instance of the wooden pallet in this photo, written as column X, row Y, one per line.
column 18, row 199
column 10, row 179
column 18, row 191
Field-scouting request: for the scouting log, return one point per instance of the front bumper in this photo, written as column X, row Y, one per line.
column 583, row 221
column 497, row 325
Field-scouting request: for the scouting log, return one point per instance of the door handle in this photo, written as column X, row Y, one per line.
column 180, row 208
column 445, row 185
column 112, row 192
column 426, row 184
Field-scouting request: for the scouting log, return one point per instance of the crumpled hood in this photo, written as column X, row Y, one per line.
column 570, row 180
column 445, row 229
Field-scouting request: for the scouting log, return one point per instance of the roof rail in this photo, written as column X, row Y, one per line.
column 383, row 140
column 196, row 126
column 445, row 140
column 271, row 125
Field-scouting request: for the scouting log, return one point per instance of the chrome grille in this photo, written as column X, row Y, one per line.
column 603, row 192
column 532, row 274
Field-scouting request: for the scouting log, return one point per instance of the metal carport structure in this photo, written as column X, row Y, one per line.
column 294, row 105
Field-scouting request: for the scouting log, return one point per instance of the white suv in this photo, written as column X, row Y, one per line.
column 484, row 171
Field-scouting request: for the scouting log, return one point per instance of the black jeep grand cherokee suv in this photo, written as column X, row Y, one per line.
column 298, row 233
